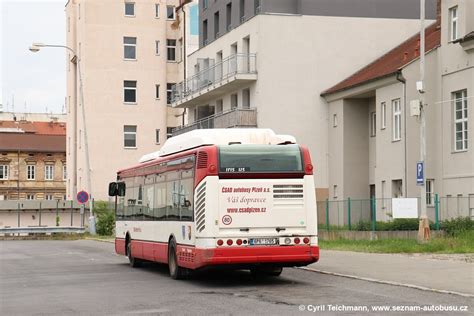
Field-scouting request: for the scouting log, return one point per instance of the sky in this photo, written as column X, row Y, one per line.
column 32, row 82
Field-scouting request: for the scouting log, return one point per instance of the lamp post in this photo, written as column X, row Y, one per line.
column 35, row 47
column 424, row 228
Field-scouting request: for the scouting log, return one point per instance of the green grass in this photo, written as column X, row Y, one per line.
column 463, row 243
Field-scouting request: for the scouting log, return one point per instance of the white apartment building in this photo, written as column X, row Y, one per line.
column 374, row 142
column 265, row 63
column 129, row 53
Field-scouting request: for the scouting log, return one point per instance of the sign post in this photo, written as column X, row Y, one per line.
column 83, row 197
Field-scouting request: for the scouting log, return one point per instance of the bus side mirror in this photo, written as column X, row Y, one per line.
column 121, row 188
column 113, row 189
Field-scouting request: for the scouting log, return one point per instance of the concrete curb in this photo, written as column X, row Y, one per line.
column 418, row 287
column 98, row 239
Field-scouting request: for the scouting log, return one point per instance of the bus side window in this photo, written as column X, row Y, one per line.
column 186, row 196
column 172, row 195
column 160, row 198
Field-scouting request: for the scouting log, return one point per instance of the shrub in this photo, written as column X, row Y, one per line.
column 105, row 218
column 396, row 224
column 457, row 226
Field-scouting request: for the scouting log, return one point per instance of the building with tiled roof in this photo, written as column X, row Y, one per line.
column 32, row 160
column 374, row 136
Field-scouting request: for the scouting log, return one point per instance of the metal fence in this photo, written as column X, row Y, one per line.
column 352, row 214
column 38, row 215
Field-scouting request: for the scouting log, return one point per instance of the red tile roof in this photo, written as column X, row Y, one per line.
column 392, row 61
column 28, row 142
column 40, row 128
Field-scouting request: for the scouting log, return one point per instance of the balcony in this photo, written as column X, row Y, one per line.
column 226, row 76
column 229, row 119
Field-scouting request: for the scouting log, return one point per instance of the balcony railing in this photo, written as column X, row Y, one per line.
column 228, row 67
column 228, row 119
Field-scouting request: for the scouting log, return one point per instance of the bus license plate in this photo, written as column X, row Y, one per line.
column 263, row 241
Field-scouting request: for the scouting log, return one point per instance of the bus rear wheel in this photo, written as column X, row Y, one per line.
column 176, row 272
column 134, row 262
column 266, row 271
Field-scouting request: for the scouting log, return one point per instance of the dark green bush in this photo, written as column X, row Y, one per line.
column 396, row 224
column 457, row 226
column 105, row 218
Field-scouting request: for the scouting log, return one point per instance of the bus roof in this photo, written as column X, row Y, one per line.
column 218, row 136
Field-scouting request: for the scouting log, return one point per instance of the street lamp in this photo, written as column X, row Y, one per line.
column 35, row 47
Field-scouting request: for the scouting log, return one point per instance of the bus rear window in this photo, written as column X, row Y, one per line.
column 260, row 158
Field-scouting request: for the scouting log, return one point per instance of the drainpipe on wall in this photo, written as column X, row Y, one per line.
column 184, row 57
column 403, row 80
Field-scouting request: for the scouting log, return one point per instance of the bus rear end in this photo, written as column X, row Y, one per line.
column 255, row 207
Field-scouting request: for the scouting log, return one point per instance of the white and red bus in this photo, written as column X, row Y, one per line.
column 241, row 198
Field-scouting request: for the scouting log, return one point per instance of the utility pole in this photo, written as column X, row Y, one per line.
column 424, row 227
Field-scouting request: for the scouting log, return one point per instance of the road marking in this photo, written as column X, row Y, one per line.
column 418, row 287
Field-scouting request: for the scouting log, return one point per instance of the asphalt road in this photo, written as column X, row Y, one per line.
column 86, row 277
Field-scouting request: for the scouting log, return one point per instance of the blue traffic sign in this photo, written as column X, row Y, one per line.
column 420, row 178
column 82, row 197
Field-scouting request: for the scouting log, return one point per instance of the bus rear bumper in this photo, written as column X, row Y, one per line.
column 275, row 255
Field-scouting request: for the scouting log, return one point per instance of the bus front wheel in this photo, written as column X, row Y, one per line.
column 134, row 262
column 176, row 272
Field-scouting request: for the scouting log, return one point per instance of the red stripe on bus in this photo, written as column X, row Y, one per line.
column 194, row 258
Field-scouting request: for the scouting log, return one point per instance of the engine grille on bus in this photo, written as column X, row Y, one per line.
column 284, row 194
column 201, row 207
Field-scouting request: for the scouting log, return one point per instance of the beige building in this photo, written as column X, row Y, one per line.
column 32, row 160
column 265, row 63
column 130, row 54
column 374, row 142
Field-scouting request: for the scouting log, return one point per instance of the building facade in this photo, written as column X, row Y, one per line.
column 265, row 63
column 374, row 135
column 32, row 160
column 129, row 53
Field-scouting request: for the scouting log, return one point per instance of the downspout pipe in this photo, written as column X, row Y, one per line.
column 401, row 79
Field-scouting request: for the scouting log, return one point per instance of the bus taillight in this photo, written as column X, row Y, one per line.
column 230, row 242
column 220, row 242
column 306, row 240
column 297, row 240
column 239, row 242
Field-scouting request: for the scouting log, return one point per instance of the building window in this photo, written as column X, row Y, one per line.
column 130, row 48
column 129, row 9
column 373, row 124
column 171, row 49
column 130, row 136
column 30, row 196
column 205, row 3
column 3, row 172
column 453, row 23
column 30, row 172
column 157, row 10
column 383, row 115
column 64, row 172
column 397, row 188
column 170, row 14
column 204, row 32
column 228, row 16
column 49, row 172
column 334, row 120
column 460, row 120
column 430, row 192
column 242, row 11
column 256, row 6
column 397, row 120
column 234, row 101
column 334, row 192
column 129, row 91
column 48, row 197
column 216, row 24
column 157, row 136
column 157, row 91
column 169, row 92
column 169, row 132
column 157, row 48
column 383, row 194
